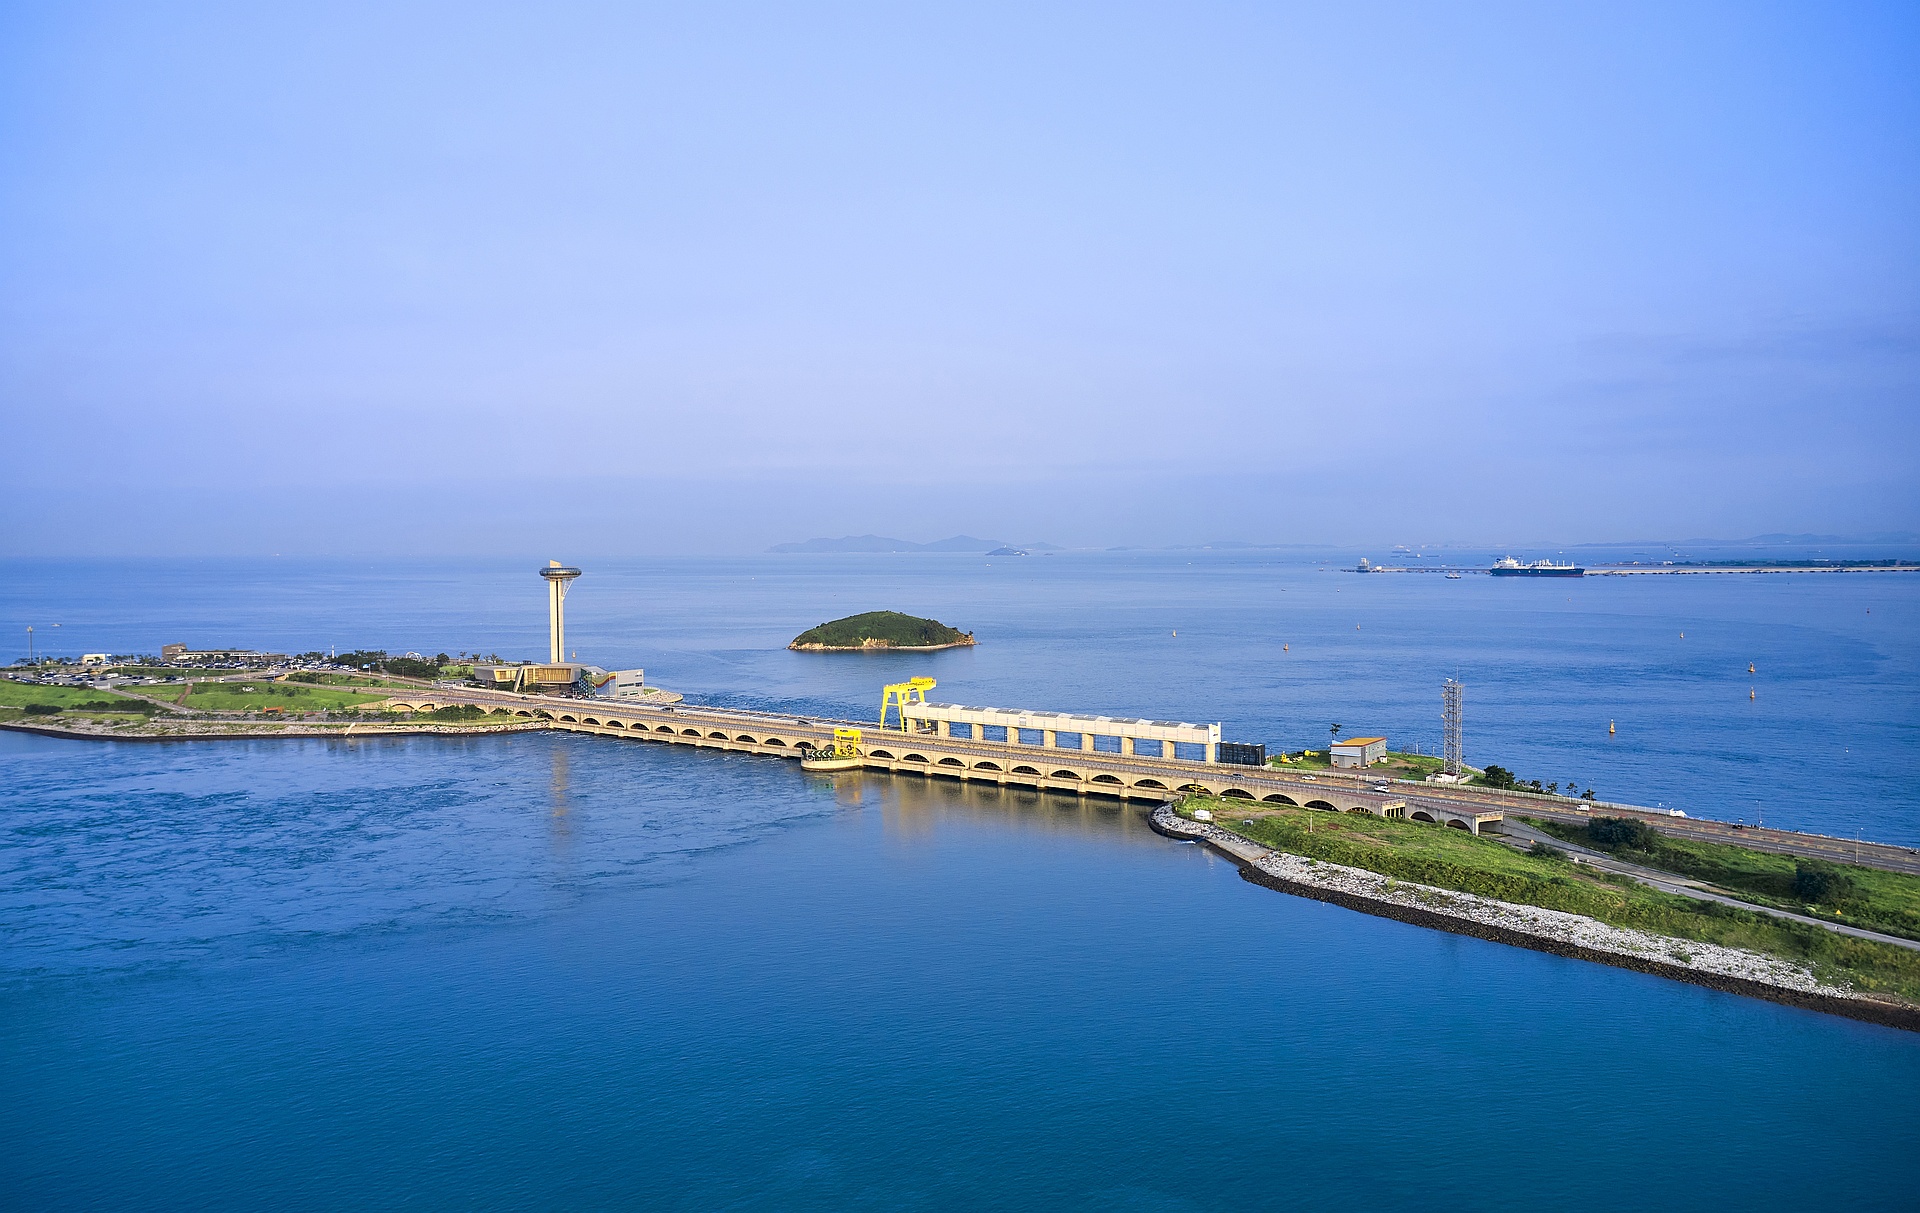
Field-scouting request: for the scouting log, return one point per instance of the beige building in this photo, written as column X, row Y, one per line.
column 1359, row 751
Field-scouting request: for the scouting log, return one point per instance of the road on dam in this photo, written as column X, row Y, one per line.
column 1098, row 773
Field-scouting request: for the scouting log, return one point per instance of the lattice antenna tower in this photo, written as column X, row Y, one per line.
column 1450, row 721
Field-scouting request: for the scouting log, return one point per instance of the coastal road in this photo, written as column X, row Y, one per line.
column 1667, row 882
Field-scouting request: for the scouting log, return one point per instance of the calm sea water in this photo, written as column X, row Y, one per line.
column 554, row 971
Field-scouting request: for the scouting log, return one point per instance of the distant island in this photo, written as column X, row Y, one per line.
column 880, row 630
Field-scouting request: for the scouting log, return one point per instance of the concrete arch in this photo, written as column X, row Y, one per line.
column 717, row 735
column 986, row 766
column 1361, row 809
column 747, row 739
column 1277, row 798
column 1106, row 779
column 914, row 758
column 882, row 754
column 951, row 762
column 775, row 741
column 1149, row 783
column 1237, row 794
column 522, row 712
column 689, row 732
column 568, row 719
column 1322, row 804
column 662, row 728
column 1454, row 823
column 1064, row 775
column 1023, row 769
column 1423, row 815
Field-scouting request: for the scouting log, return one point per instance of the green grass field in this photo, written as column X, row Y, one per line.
column 1454, row 859
column 312, row 678
column 1877, row 900
column 255, row 696
column 16, row 696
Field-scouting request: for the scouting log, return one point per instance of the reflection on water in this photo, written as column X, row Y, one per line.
column 912, row 805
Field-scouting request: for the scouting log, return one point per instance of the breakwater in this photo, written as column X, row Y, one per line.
column 1731, row 970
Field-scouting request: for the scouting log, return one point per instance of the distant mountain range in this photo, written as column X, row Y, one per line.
column 880, row 543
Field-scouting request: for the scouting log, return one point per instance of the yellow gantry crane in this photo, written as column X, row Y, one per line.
column 896, row 696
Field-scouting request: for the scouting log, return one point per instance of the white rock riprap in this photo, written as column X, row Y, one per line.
column 1556, row 930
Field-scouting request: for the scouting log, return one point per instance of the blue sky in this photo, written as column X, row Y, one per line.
column 393, row 279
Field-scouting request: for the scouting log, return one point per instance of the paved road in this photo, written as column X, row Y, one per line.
column 1667, row 882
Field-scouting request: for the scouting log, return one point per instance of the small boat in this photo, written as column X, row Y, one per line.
column 1453, row 576
column 842, row 755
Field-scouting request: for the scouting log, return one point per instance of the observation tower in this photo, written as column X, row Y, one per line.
column 559, row 577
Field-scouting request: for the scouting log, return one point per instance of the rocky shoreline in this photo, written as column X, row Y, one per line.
column 1732, row 970
column 881, row 646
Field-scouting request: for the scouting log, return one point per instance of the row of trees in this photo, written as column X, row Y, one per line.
column 1499, row 777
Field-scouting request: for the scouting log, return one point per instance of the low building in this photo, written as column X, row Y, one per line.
column 1359, row 751
column 1062, row 730
column 180, row 654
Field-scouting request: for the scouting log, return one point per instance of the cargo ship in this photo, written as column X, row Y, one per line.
column 1507, row 566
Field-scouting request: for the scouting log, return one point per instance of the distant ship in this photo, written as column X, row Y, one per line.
column 1453, row 576
column 1507, row 566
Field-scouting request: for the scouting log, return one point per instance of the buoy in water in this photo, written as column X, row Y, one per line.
column 1751, row 694
column 1609, row 728
column 1749, row 667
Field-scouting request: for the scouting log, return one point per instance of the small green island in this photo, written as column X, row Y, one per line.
column 880, row 630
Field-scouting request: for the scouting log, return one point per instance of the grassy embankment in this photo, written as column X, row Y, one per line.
column 1453, row 859
column 258, row 696
column 1863, row 897
column 881, row 628
column 50, row 704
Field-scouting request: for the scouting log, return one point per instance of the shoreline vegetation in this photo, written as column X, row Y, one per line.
column 227, row 705
column 1540, row 896
column 880, row 630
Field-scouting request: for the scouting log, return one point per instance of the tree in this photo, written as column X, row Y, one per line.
column 1822, row 884
column 1335, row 730
column 1496, row 776
column 1588, row 795
column 1616, row 833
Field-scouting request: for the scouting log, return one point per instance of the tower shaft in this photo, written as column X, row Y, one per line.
column 1450, row 721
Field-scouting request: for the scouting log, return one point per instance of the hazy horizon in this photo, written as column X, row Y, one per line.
column 463, row 280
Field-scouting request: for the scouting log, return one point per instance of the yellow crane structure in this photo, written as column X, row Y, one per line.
column 898, row 695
